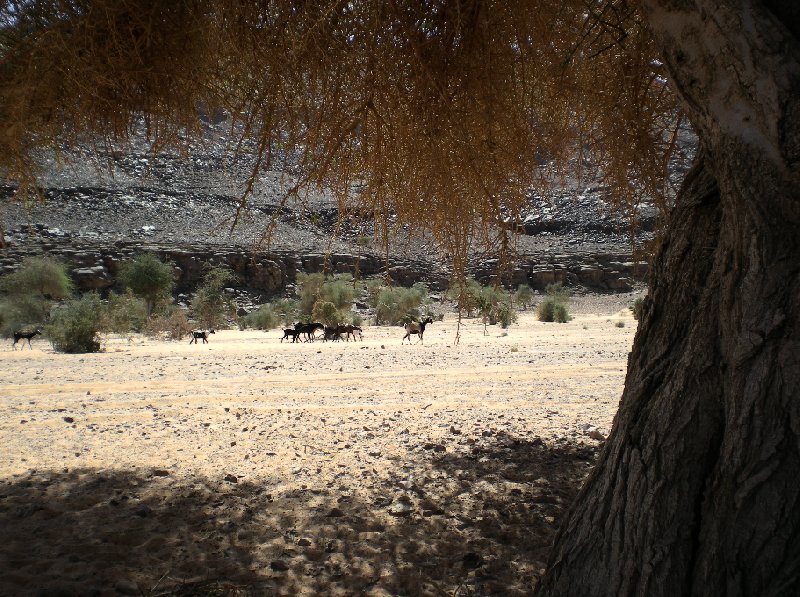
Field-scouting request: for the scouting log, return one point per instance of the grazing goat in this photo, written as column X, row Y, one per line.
column 290, row 333
column 309, row 329
column 350, row 330
column 198, row 334
column 25, row 335
column 416, row 328
column 333, row 333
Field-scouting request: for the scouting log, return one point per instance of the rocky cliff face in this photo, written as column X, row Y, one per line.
column 108, row 204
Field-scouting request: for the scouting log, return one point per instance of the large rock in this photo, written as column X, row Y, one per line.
column 92, row 278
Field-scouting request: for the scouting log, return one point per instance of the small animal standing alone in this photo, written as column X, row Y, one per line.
column 416, row 328
column 25, row 335
column 198, row 334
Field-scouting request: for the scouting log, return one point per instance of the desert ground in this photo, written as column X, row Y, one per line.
column 251, row 466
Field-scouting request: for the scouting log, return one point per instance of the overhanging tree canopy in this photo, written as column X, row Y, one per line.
column 444, row 113
column 447, row 112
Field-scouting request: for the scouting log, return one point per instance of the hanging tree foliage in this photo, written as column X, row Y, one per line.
column 443, row 115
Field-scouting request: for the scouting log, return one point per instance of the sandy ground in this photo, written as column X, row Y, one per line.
column 251, row 466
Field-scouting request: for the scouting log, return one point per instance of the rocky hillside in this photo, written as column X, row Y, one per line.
column 103, row 204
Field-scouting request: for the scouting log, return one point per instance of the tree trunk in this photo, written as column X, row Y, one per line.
column 698, row 488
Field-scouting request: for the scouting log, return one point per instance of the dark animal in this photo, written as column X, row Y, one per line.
column 198, row 334
column 350, row 330
column 308, row 329
column 333, row 332
column 290, row 333
column 416, row 328
column 25, row 335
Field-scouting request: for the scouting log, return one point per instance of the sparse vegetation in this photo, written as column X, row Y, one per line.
column 315, row 289
column 148, row 278
column 327, row 313
column 171, row 321
column 523, row 296
column 124, row 313
column 29, row 293
column 395, row 305
column 263, row 318
column 74, row 326
column 212, row 308
column 554, row 307
column 620, row 324
column 637, row 308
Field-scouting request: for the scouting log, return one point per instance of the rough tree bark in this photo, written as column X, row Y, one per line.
column 698, row 488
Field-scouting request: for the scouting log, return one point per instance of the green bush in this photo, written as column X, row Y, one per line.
column 523, row 296
column 74, row 326
column 394, row 305
column 286, row 310
column 309, row 286
column 637, row 308
column 170, row 321
column 557, row 292
column 339, row 291
column 467, row 296
column 314, row 288
column 560, row 313
column 30, row 292
column 149, row 278
column 327, row 313
column 124, row 313
column 211, row 306
column 263, row 318
column 42, row 277
column 552, row 310
column 554, row 307
column 506, row 315
column 20, row 311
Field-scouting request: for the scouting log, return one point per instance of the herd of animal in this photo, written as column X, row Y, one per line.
column 306, row 332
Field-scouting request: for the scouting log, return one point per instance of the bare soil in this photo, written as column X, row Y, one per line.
column 253, row 466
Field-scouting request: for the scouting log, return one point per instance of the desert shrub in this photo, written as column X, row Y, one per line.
column 339, row 291
column 620, row 324
column 263, row 318
column 558, row 292
column 285, row 310
column 554, row 307
column 308, row 288
column 124, row 313
column 30, row 291
column 637, row 308
column 20, row 311
column 148, row 278
column 38, row 276
column 523, row 296
column 506, row 315
column 327, row 313
column 560, row 313
column 552, row 310
column 394, row 305
column 170, row 322
column 314, row 288
column 211, row 306
column 74, row 326
column 356, row 319
column 467, row 296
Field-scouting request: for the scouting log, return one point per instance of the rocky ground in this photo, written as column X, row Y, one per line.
column 248, row 466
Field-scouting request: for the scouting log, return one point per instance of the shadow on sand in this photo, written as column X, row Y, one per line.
column 478, row 521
